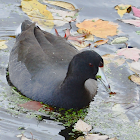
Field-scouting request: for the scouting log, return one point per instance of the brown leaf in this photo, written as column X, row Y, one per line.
column 112, row 93
column 100, row 42
column 32, row 105
column 98, row 27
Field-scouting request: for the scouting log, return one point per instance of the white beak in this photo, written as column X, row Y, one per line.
column 103, row 78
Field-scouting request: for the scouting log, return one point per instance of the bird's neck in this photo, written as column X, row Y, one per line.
column 72, row 93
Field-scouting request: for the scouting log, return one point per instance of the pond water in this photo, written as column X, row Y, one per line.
column 109, row 115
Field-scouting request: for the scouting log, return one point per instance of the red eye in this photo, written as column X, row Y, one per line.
column 90, row 64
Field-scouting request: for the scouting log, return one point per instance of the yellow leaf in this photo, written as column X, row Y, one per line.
column 37, row 13
column 29, row 5
column 2, row 44
column 122, row 9
column 135, row 79
column 98, row 27
column 62, row 4
column 89, row 37
column 78, row 45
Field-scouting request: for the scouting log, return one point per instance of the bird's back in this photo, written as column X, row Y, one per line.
column 38, row 62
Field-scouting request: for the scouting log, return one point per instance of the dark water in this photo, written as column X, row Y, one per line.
column 107, row 118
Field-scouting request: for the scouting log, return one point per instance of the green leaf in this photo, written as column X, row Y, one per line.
column 138, row 32
column 119, row 40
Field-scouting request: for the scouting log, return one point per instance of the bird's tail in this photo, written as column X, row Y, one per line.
column 22, row 27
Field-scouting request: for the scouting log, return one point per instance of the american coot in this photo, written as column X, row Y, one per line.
column 47, row 68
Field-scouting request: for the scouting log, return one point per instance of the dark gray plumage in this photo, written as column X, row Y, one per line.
column 46, row 68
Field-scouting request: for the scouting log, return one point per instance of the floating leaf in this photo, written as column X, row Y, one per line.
column 106, row 61
column 62, row 17
column 62, row 4
column 136, row 11
column 113, row 138
column 138, row 32
column 2, row 44
column 135, row 78
column 108, row 58
column 84, row 31
column 135, row 22
column 119, row 40
column 82, row 126
column 112, row 93
column 78, row 45
column 74, row 38
column 119, row 61
column 81, row 138
column 23, row 137
column 122, row 9
column 100, row 42
column 96, row 137
column 32, row 105
column 89, row 37
column 98, row 27
column 118, row 108
column 131, row 53
column 37, row 12
column 111, row 58
column 134, row 66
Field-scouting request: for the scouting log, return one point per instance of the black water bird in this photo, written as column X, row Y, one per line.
column 47, row 68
